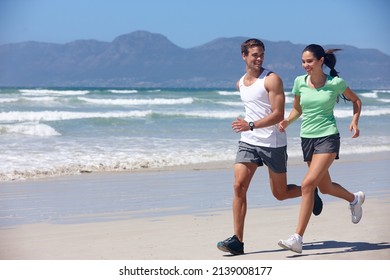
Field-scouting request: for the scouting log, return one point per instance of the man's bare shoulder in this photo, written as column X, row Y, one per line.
column 273, row 82
column 273, row 75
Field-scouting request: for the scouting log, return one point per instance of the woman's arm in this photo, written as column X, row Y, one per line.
column 295, row 113
column 357, row 108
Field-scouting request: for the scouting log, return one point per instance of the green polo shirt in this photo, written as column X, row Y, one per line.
column 317, row 106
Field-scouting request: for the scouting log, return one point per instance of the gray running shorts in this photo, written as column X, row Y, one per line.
column 323, row 145
column 274, row 158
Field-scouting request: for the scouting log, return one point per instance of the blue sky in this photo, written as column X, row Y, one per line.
column 189, row 23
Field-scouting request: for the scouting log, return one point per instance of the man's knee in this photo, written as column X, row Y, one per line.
column 280, row 195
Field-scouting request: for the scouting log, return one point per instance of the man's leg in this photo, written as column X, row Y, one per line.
column 243, row 173
column 279, row 187
column 282, row 191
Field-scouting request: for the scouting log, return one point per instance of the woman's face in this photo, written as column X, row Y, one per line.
column 310, row 63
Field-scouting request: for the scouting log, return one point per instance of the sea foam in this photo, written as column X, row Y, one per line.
column 35, row 129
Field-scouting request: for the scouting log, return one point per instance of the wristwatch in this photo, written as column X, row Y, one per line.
column 251, row 125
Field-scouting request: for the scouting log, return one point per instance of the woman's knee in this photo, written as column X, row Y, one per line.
column 240, row 189
column 308, row 186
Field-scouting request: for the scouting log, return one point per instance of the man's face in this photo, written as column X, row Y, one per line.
column 255, row 58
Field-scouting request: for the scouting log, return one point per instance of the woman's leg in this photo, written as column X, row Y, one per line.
column 279, row 187
column 355, row 199
column 326, row 186
column 318, row 175
column 318, row 169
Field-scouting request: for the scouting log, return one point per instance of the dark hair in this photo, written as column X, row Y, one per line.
column 329, row 59
column 328, row 55
column 250, row 43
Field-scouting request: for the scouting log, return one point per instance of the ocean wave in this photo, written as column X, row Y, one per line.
column 374, row 111
column 123, row 91
column 366, row 111
column 40, row 98
column 31, row 116
column 110, row 161
column 32, row 129
column 8, row 100
column 381, row 90
column 22, row 116
column 369, row 95
column 231, row 103
column 155, row 101
column 19, row 116
column 205, row 114
column 223, row 92
column 383, row 100
column 88, row 161
column 33, row 92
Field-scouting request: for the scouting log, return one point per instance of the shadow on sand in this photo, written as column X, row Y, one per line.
column 340, row 247
column 321, row 248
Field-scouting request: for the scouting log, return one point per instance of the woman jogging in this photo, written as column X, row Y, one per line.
column 316, row 95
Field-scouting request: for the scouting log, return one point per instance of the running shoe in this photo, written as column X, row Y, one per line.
column 292, row 244
column 232, row 245
column 356, row 210
column 317, row 209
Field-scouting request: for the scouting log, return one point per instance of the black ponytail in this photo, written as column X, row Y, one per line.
column 330, row 61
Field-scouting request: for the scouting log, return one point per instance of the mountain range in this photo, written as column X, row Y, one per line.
column 147, row 60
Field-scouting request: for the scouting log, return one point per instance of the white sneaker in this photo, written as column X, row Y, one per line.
column 356, row 210
column 292, row 244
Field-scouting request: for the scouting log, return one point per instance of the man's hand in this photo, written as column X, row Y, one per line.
column 240, row 125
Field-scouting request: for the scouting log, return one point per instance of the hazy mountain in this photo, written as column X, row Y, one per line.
column 143, row 59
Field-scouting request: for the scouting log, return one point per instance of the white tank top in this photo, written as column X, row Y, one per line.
column 257, row 106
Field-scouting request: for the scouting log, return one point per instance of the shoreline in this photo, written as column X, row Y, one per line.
column 212, row 165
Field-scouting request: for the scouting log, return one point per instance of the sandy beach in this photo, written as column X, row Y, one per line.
column 181, row 213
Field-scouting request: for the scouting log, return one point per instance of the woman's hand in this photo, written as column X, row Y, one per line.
column 356, row 132
column 283, row 125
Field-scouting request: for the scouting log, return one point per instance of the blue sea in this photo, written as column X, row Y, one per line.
column 50, row 132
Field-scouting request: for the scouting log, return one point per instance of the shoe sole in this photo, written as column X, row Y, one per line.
column 227, row 250
column 222, row 248
column 281, row 244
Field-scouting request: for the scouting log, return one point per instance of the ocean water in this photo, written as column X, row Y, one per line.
column 49, row 132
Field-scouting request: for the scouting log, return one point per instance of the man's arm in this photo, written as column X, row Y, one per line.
column 274, row 85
